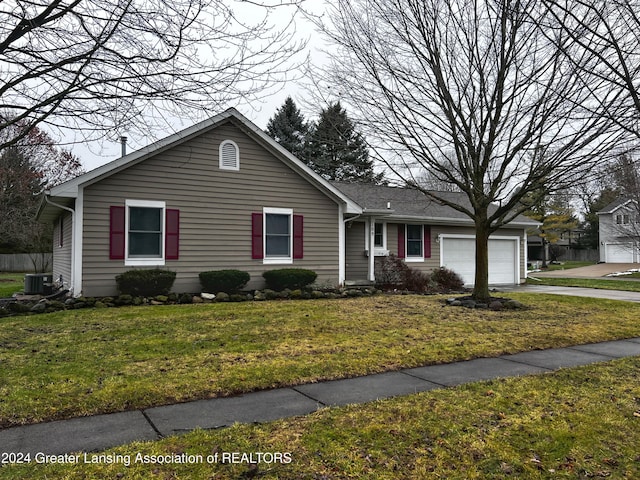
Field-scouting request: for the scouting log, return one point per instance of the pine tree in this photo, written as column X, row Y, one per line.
column 337, row 151
column 289, row 129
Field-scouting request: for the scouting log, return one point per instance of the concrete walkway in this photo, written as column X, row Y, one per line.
column 104, row 431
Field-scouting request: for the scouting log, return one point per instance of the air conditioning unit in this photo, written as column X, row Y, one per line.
column 38, row 283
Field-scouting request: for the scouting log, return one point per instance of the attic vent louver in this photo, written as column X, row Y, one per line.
column 229, row 156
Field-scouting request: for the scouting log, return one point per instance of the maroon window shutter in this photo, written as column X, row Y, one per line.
column 116, row 232
column 427, row 241
column 401, row 253
column 256, row 236
column 172, row 234
column 298, row 236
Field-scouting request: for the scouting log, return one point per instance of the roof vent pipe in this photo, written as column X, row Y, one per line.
column 123, row 142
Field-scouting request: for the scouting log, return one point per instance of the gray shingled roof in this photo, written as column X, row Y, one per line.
column 409, row 203
column 613, row 206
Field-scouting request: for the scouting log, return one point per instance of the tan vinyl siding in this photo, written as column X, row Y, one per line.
column 215, row 211
column 62, row 254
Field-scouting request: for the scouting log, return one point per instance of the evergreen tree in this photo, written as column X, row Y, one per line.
column 289, row 129
column 556, row 215
column 337, row 151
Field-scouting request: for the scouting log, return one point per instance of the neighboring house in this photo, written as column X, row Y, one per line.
column 222, row 194
column 619, row 232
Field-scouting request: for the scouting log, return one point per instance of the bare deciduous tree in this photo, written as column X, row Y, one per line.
column 604, row 35
column 487, row 80
column 28, row 166
column 98, row 66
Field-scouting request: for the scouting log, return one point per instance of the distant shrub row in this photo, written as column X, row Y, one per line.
column 393, row 273
column 153, row 282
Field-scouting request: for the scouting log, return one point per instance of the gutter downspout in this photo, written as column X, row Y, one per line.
column 73, row 222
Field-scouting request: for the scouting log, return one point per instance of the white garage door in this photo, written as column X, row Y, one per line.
column 618, row 253
column 458, row 254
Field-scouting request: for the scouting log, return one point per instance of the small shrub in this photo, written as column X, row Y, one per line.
column 145, row 283
column 223, row 280
column 394, row 273
column 447, row 280
column 418, row 281
column 391, row 273
column 291, row 278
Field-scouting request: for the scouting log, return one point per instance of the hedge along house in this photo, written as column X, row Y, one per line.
column 427, row 235
column 224, row 195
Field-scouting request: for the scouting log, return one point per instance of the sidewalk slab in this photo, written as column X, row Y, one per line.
column 78, row 434
column 615, row 349
column 452, row 374
column 557, row 358
column 365, row 389
column 262, row 406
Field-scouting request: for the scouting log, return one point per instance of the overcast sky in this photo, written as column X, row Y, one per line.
column 97, row 153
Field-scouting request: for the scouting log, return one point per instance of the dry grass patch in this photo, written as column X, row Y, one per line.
column 84, row 362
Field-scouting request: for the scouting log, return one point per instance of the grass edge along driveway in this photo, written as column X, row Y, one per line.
column 86, row 362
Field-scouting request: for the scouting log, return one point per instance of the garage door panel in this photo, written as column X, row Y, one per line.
column 458, row 254
column 619, row 253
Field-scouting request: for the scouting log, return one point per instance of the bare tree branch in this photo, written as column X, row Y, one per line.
column 99, row 65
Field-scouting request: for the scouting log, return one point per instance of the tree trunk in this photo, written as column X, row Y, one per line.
column 481, row 285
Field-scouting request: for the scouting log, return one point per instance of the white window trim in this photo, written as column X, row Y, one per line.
column 237, row 163
column 154, row 261
column 277, row 260
column 415, row 258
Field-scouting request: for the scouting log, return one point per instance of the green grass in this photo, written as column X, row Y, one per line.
column 612, row 284
column 84, row 362
column 11, row 283
column 572, row 424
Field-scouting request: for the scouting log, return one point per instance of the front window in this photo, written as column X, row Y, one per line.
column 414, row 241
column 145, row 232
column 378, row 239
column 145, row 227
column 278, row 238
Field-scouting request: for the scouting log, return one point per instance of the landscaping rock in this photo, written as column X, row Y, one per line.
column 39, row 307
column 197, row 299
column 496, row 305
column 222, row 297
column 469, row 303
column 259, row 296
column 208, row 296
column 100, row 304
column 123, row 300
column 236, row 297
column 161, row 298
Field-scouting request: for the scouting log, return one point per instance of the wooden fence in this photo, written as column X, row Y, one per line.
column 26, row 262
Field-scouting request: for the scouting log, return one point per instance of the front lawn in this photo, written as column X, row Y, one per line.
column 83, row 362
column 572, row 424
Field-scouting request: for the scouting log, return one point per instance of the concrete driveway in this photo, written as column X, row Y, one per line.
column 591, row 271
